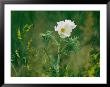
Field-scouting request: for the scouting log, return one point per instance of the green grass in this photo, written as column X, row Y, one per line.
column 33, row 57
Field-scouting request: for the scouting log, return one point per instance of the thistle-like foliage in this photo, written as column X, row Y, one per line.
column 46, row 36
column 71, row 45
column 49, row 45
column 63, row 42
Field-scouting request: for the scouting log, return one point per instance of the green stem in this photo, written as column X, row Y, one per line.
column 58, row 61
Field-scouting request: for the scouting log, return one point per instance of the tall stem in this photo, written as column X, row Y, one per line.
column 58, row 61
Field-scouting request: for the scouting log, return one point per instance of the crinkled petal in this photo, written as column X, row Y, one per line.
column 68, row 25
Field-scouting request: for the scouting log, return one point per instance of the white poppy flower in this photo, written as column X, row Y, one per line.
column 64, row 28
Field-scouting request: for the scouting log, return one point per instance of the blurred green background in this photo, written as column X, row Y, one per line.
column 27, row 57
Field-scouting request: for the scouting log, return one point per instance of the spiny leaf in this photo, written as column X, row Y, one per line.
column 46, row 36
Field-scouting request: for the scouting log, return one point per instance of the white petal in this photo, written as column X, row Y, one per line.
column 62, row 36
column 68, row 25
column 67, row 34
column 60, row 23
column 56, row 29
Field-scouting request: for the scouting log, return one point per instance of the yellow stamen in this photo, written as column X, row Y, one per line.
column 62, row 30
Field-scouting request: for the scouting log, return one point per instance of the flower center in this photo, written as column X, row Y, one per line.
column 62, row 30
